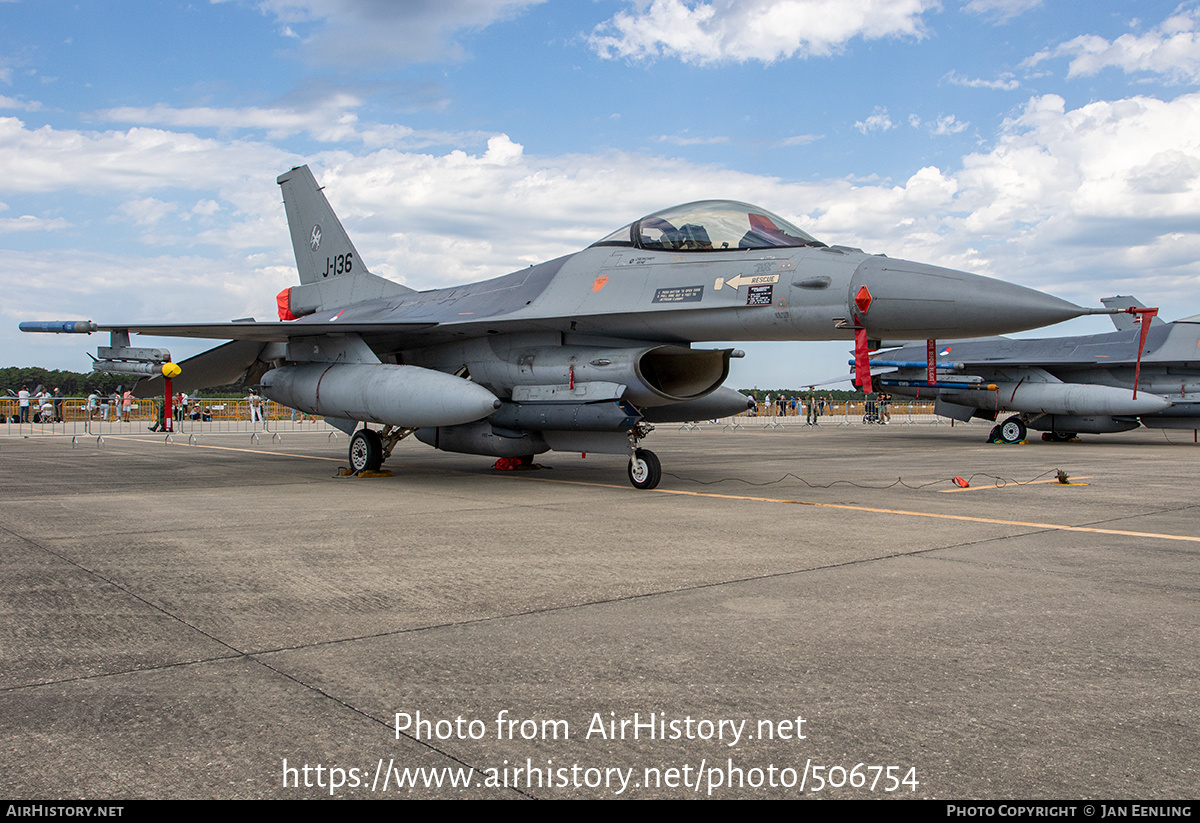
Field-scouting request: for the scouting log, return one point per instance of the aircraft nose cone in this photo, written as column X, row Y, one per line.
column 914, row 300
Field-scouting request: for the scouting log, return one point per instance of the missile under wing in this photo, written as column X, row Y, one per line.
column 1065, row 385
column 581, row 353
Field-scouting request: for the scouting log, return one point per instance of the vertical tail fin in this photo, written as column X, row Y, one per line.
column 321, row 244
column 331, row 272
column 1126, row 322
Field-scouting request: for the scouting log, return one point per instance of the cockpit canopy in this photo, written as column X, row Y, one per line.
column 710, row 225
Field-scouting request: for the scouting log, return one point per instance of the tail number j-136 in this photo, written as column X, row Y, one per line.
column 338, row 265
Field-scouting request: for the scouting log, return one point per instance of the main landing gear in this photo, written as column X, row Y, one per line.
column 369, row 448
column 1011, row 431
column 366, row 451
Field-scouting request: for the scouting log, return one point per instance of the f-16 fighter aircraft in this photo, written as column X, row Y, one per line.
column 583, row 353
column 1064, row 385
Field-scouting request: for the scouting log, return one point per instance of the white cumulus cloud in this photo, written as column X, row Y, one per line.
column 1001, row 11
column 878, row 121
column 1170, row 49
column 948, row 124
column 1004, row 82
column 764, row 30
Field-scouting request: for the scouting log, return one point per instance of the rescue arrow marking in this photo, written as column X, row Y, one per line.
column 745, row 280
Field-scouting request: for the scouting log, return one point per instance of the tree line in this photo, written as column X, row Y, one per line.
column 838, row 396
column 77, row 384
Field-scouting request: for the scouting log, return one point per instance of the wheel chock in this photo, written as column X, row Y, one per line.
column 348, row 472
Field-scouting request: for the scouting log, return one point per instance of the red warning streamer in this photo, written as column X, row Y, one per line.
column 862, row 363
column 1144, row 317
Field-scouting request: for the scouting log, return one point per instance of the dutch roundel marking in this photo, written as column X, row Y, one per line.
column 314, row 238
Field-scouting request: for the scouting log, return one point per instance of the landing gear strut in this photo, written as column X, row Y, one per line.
column 645, row 470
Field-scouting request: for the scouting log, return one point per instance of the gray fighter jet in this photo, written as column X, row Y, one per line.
column 1062, row 386
column 583, row 353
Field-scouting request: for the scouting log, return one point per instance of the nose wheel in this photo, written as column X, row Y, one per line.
column 644, row 469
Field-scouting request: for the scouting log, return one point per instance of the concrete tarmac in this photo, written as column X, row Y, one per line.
column 792, row 613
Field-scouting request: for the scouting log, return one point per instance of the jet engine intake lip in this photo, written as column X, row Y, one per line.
column 678, row 373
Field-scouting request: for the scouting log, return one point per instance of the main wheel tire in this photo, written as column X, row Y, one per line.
column 1063, row 437
column 1013, row 430
column 644, row 469
column 366, row 451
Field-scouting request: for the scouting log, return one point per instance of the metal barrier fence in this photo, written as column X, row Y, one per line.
column 233, row 415
column 899, row 411
column 835, row 414
column 72, row 417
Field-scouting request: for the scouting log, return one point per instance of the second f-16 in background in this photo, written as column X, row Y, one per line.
column 1063, row 386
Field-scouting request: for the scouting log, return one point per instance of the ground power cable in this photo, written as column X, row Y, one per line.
column 999, row 481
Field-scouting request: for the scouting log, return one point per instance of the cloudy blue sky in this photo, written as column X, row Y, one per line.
column 1053, row 143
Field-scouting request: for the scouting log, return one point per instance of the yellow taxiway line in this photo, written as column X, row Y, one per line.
column 903, row 512
column 718, row 496
column 129, row 439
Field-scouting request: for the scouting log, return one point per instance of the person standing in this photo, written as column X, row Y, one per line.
column 41, row 397
column 127, row 406
column 23, row 403
column 160, row 411
column 256, row 402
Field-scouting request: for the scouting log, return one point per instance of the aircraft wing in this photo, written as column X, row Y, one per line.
column 273, row 331
column 1098, row 349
